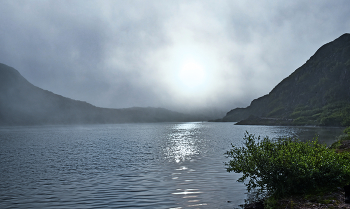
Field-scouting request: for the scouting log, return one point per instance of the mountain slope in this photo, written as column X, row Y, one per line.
column 22, row 103
column 317, row 93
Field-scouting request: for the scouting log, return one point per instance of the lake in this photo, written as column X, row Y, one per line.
column 151, row 165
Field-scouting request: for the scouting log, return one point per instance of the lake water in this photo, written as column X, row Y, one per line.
column 156, row 165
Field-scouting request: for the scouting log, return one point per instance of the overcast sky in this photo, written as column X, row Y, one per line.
column 180, row 55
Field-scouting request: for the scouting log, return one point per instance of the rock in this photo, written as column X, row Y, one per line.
column 255, row 205
column 347, row 193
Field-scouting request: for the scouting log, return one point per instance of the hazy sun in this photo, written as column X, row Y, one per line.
column 189, row 71
column 192, row 75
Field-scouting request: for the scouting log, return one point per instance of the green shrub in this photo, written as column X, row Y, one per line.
column 343, row 137
column 346, row 121
column 284, row 166
column 347, row 130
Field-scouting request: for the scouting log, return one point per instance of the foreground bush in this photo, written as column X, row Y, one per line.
column 347, row 130
column 341, row 139
column 285, row 166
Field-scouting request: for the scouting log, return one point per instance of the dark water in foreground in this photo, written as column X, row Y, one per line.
column 163, row 165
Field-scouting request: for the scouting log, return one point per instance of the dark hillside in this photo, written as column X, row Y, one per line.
column 317, row 93
column 22, row 103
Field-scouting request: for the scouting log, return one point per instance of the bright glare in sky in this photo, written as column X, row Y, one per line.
column 189, row 71
column 192, row 75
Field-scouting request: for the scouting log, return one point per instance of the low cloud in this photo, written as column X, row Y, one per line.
column 128, row 53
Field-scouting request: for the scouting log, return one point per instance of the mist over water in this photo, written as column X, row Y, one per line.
column 155, row 165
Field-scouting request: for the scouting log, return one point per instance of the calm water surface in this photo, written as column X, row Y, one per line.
column 162, row 165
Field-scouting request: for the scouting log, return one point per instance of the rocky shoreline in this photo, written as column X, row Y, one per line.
column 334, row 200
column 255, row 120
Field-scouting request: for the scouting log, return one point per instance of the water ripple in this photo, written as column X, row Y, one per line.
column 167, row 165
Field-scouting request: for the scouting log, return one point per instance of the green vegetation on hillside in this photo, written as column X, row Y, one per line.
column 336, row 114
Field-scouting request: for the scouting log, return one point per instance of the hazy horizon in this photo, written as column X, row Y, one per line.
column 185, row 56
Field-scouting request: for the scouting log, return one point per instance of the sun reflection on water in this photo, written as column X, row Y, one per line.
column 182, row 147
column 182, row 142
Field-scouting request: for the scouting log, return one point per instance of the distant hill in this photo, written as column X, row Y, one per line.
column 317, row 93
column 22, row 103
